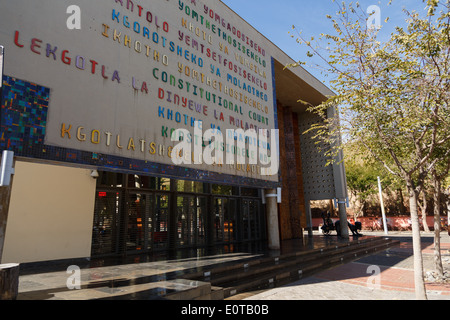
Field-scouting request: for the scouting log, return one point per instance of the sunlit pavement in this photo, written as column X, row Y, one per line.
column 387, row 275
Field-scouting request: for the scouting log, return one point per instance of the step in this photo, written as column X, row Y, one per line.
column 246, row 268
column 269, row 271
column 221, row 281
column 285, row 275
column 208, row 272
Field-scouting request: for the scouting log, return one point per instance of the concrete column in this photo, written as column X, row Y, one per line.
column 309, row 218
column 343, row 218
column 272, row 219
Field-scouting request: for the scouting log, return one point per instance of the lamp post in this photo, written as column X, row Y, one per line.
column 382, row 207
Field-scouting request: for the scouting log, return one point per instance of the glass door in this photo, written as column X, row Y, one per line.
column 105, row 233
column 139, row 222
column 185, row 220
column 160, row 233
column 218, row 219
column 254, row 220
column 245, row 220
column 200, row 220
column 251, row 219
column 230, row 211
column 225, row 210
column 191, row 215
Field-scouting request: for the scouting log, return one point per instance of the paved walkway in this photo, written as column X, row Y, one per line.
column 143, row 276
column 352, row 281
column 357, row 280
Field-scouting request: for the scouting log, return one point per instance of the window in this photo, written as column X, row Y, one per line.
column 150, row 183
column 191, row 186
column 249, row 192
column 224, row 190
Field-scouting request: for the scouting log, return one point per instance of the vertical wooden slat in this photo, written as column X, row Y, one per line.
column 298, row 158
column 291, row 163
column 285, row 226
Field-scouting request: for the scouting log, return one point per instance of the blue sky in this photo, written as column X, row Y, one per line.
column 274, row 19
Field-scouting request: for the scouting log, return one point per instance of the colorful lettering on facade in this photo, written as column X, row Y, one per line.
column 221, row 74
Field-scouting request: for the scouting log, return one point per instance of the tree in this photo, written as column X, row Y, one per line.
column 438, row 175
column 362, row 182
column 392, row 97
column 361, row 173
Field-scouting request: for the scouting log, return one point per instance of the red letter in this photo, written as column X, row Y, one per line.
column 35, row 45
column 161, row 93
column 65, row 59
column 94, row 63
column 103, row 72
column 16, row 40
column 144, row 87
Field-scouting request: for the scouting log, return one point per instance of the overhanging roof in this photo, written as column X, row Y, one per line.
column 294, row 84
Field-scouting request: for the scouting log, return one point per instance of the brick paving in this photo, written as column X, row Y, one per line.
column 356, row 280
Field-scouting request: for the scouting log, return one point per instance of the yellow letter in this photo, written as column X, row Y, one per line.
column 152, row 148
column 93, row 140
column 64, row 130
column 131, row 144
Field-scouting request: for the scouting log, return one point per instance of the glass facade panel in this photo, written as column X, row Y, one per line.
column 191, row 186
column 245, row 220
column 138, row 214
column 149, row 183
column 252, row 219
column 225, row 219
column 230, row 220
column 185, row 207
column 139, row 222
column 200, row 218
column 110, row 179
column 106, row 221
column 161, row 222
column 249, row 192
column 224, row 190
column 218, row 219
column 135, row 230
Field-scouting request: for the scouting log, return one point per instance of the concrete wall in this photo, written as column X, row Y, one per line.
column 98, row 101
column 50, row 214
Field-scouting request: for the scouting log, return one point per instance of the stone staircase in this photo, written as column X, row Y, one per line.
column 210, row 281
column 271, row 271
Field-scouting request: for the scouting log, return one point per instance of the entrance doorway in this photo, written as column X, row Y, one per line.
column 191, row 221
column 225, row 217
column 139, row 214
column 142, row 224
column 106, row 221
column 251, row 219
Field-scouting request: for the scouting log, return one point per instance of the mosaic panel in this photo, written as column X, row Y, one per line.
column 24, row 115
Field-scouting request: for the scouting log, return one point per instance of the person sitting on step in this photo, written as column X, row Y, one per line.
column 353, row 228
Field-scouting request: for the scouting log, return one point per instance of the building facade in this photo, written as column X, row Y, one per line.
column 146, row 126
